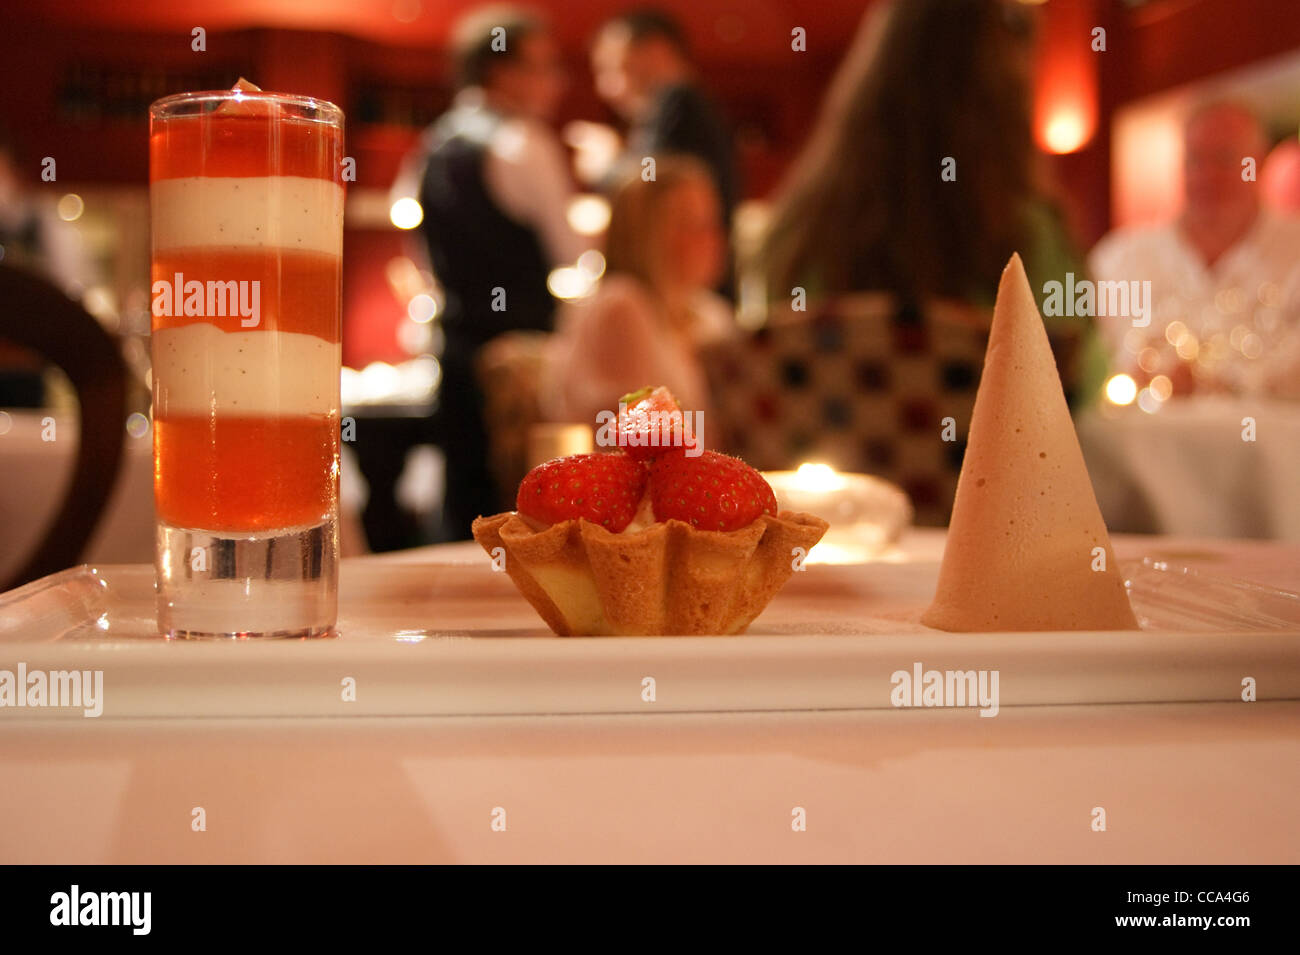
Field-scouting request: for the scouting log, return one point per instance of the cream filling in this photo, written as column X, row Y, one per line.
column 574, row 594
column 279, row 212
column 643, row 518
column 200, row 369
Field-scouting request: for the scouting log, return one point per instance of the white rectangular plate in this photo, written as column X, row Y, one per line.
column 456, row 638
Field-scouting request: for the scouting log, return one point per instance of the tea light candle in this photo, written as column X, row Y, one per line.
column 866, row 514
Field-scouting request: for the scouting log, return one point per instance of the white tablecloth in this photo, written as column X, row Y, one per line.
column 1180, row 783
column 1187, row 470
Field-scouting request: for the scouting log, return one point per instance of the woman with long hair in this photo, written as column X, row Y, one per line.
column 921, row 176
column 653, row 309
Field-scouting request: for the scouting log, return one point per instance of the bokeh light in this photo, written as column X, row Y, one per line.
column 588, row 214
column 70, row 207
column 137, row 425
column 569, row 282
column 1121, row 390
column 422, row 308
column 406, row 213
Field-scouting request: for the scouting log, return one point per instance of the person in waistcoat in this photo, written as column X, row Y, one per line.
column 494, row 194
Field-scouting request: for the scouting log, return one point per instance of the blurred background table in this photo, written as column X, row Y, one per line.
column 1187, row 470
column 1271, row 563
column 34, row 476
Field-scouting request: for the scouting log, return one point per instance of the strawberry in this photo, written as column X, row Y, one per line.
column 651, row 422
column 712, row 492
column 602, row 488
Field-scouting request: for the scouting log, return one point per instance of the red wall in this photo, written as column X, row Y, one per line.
column 771, row 93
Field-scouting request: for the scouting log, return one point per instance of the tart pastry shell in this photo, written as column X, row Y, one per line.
column 669, row 578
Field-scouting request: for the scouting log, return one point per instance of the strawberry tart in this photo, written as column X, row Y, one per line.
column 655, row 537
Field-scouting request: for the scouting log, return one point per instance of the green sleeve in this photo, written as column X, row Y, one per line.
column 1049, row 254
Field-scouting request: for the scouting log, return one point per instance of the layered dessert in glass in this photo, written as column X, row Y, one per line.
column 247, row 213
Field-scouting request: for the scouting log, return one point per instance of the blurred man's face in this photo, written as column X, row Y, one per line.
column 533, row 80
column 628, row 72
column 610, row 65
column 1214, row 145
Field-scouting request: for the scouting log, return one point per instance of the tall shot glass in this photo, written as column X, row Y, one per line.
column 246, row 202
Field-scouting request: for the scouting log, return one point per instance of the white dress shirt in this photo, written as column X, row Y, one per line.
column 525, row 172
column 1243, row 311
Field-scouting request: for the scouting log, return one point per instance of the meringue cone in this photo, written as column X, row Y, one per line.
column 666, row 579
column 1020, row 551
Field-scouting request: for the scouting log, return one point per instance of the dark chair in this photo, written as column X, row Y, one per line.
column 863, row 383
column 509, row 369
column 37, row 316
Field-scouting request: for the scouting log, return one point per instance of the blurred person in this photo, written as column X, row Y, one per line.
column 32, row 236
column 494, row 192
column 1279, row 177
column 31, row 232
column 1227, row 269
column 865, row 209
column 653, row 308
column 643, row 70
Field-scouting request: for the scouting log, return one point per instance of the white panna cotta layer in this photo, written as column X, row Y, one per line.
column 199, row 369
column 281, row 212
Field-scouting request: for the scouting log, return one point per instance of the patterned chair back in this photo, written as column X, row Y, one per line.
column 862, row 383
column 509, row 370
